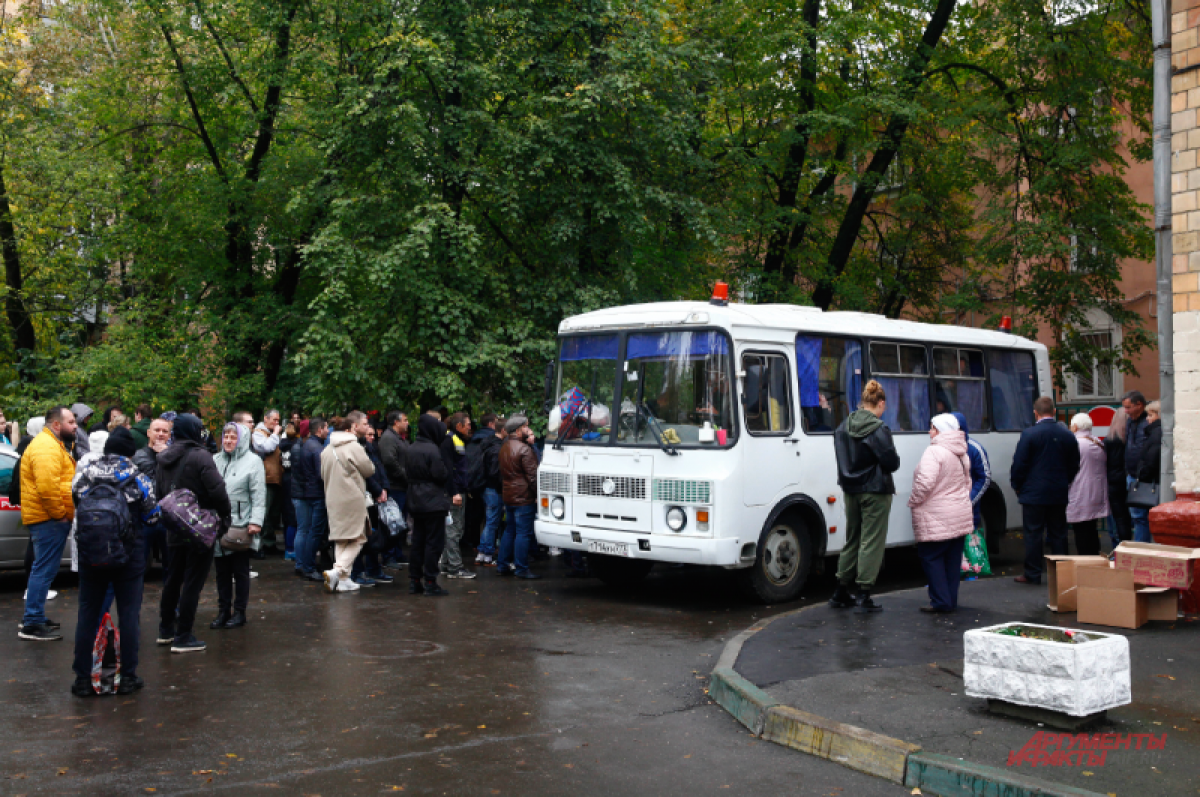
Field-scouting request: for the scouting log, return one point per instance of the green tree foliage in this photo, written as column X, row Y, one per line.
column 335, row 204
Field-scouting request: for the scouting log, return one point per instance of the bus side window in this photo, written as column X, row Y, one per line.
column 901, row 370
column 1014, row 387
column 768, row 400
column 829, row 372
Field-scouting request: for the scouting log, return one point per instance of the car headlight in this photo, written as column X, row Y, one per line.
column 558, row 507
column 676, row 519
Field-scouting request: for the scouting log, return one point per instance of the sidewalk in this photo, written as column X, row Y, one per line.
column 899, row 673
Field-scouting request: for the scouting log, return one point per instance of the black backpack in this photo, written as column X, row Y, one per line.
column 102, row 524
column 476, row 470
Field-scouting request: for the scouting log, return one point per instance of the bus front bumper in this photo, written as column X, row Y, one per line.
column 681, row 550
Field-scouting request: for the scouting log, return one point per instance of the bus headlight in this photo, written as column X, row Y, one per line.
column 676, row 519
column 558, row 507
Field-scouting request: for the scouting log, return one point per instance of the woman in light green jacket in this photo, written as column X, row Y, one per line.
column 246, row 484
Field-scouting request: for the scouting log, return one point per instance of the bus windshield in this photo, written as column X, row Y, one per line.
column 587, row 370
column 677, row 390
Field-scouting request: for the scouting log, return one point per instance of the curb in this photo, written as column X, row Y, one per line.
column 895, row 760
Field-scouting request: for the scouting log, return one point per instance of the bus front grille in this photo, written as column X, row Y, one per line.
column 629, row 487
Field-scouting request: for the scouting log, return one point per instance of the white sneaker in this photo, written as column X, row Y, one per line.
column 51, row 595
column 253, row 574
column 480, row 558
column 331, row 580
column 346, row 585
column 555, row 551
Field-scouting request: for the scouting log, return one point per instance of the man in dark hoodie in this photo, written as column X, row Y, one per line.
column 187, row 464
column 866, row 459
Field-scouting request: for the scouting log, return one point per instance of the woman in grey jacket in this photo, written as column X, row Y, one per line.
column 246, row 483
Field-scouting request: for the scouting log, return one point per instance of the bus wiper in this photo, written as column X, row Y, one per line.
column 562, row 424
column 657, row 430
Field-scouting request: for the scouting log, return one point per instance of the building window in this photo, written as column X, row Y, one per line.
column 1097, row 382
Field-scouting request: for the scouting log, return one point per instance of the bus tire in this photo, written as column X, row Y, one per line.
column 782, row 562
column 618, row 572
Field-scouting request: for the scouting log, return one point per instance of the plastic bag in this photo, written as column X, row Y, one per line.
column 975, row 555
column 390, row 514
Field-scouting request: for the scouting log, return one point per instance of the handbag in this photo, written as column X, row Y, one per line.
column 236, row 539
column 182, row 515
column 1143, row 494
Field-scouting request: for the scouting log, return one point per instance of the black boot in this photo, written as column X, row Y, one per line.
column 842, row 599
column 865, row 604
column 432, row 589
column 222, row 619
column 414, row 587
column 236, row 620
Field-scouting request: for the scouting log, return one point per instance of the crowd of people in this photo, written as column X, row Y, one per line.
column 1065, row 478
column 342, row 498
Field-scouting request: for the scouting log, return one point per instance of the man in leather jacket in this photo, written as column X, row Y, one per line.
column 866, row 459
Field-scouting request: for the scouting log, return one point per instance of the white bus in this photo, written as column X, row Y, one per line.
column 702, row 434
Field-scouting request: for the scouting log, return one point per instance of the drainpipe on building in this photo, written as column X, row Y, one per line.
column 1160, row 16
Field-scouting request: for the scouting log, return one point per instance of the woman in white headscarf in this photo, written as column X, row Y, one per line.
column 941, row 508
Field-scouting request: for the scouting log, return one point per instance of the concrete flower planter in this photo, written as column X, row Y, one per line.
column 1076, row 679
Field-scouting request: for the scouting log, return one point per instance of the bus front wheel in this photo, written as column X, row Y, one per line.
column 782, row 563
column 618, row 572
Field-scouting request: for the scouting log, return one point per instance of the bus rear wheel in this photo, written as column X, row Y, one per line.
column 782, row 563
column 618, row 572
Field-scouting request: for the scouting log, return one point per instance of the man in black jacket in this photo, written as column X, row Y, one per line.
column 308, row 497
column 158, row 433
column 188, row 465
column 1043, row 467
column 393, row 452
column 429, row 501
column 1148, row 470
column 866, row 459
column 454, row 454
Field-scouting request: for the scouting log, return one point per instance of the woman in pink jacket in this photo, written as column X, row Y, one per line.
column 1087, row 500
column 941, row 508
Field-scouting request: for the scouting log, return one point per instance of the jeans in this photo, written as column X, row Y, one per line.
column 49, row 537
column 942, row 563
column 1039, row 520
column 190, row 564
column 495, row 513
column 1141, row 518
column 95, row 584
column 312, row 528
column 451, row 555
column 233, row 580
column 518, row 539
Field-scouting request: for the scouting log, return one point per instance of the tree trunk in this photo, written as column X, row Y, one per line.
column 14, row 303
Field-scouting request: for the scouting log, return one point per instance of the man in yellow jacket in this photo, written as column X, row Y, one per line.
column 47, row 468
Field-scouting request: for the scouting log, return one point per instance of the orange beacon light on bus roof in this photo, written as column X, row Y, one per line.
column 720, row 296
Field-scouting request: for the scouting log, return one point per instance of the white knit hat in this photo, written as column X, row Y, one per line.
column 945, row 423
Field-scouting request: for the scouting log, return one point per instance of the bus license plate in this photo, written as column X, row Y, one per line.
column 609, row 548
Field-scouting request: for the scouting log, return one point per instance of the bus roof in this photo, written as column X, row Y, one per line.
column 742, row 319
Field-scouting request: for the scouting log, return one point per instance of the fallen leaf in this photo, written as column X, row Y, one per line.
column 231, row 755
column 1168, row 677
column 481, row 727
column 915, row 791
column 1087, row 774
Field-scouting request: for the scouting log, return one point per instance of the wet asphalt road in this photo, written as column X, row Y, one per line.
column 503, row 687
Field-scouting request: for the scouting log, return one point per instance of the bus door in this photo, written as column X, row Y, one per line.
column 771, row 446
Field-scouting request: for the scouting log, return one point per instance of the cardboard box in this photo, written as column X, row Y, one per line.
column 1162, row 604
column 1155, row 565
column 1108, row 596
column 1060, row 580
